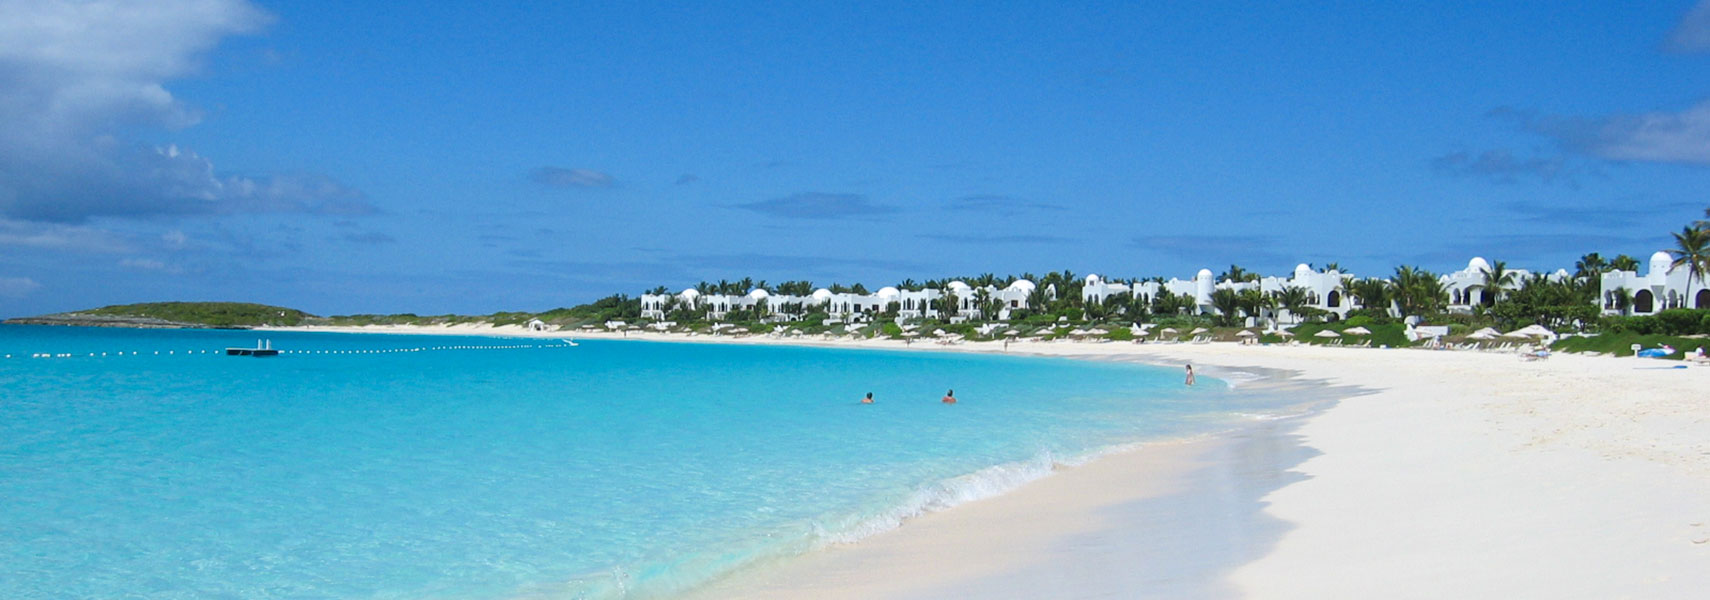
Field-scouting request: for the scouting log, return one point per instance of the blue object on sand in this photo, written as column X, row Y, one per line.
column 1653, row 353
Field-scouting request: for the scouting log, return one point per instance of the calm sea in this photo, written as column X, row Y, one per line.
column 145, row 464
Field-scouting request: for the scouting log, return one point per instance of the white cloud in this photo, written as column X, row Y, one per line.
column 17, row 287
column 54, row 236
column 1693, row 32
column 145, row 264
column 1672, row 137
column 75, row 73
column 561, row 177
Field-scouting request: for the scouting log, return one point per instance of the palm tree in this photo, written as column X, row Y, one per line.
column 1417, row 291
column 1292, row 298
column 1227, row 301
column 1692, row 250
column 1590, row 266
column 1496, row 282
column 1252, row 300
column 1622, row 262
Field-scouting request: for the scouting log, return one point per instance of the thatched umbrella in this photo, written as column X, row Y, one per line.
column 1357, row 331
column 1198, row 330
column 1246, row 333
column 1327, row 334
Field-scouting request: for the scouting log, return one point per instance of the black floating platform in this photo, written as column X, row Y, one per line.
column 251, row 352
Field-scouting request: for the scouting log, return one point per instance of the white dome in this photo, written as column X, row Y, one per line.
column 1204, row 274
column 758, row 294
column 957, row 285
column 822, row 294
column 1302, row 270
column 888, row 292
column 1092, row 279
column 689, row 294
column 1022, row 285
column 1661, row 262
column 1477, row 264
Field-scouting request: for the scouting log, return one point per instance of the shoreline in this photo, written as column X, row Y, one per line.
column 1448, row 474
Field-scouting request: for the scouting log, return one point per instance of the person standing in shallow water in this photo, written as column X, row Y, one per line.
column 1190, row 374
column 868, row 399
column 949, row 397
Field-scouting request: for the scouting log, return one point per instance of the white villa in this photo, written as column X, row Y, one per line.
column 1657, row 290
column 1662, row 287
column 1466, row 286
column 844, row 306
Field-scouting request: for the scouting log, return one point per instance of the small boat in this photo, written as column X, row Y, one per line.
column 262, row 348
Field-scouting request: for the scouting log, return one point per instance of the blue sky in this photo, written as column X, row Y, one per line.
column 346, row 157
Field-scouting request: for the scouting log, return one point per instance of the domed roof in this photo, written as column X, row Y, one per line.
column 1092, row 279
column 1477, row 264
column 1204, row 274
column 758, row 294
column 689, row 293
column 1661, row 262
column 888, row 292
column 1302, row 270
column 822, row 294
column 957, row 285
column 1021, row 284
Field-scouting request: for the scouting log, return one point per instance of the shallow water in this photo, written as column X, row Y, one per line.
column 459, row 467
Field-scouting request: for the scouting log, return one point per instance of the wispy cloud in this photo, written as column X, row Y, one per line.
column 1662, row 136
column 17, row 287
column 1626, row 212
column 754, row 262
column 1693, row 32
column 1214, row 249
column 74, row 76
column 996, row 239
column 817, row 205
column 999, row 205
column 56, row 236
column 367, row 237
column 687, row 178
column 560, row 177
column 1500, row 166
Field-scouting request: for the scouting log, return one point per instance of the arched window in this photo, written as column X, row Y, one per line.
column 1334, row 300
column 1703, row 299
column 1643, row 301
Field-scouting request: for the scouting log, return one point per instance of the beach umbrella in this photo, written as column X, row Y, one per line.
column 1097, row 331
column 1532, row 331
column 1245, row 333
column 911, row 334
column 1327, row 334
column 1169, row 331
column 1285, row 333
column 1481, row 335
column 1012, row 333
column 1357, row 331
column 938, row 332
column 1198, row 330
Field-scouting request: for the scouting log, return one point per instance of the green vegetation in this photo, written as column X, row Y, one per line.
column 209, row 314
column 1621, row 343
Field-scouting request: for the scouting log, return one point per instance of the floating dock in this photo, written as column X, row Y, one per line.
column 262, row 348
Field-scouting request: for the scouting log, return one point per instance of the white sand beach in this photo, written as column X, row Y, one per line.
column 1437, row 475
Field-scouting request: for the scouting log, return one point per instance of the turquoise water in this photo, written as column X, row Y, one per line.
column 493, row 468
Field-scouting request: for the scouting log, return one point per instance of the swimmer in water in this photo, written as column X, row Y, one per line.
column 1190, row 374
column 950, row 397
column 868, row 399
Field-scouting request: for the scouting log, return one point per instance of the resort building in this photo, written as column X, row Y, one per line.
column 1325, row 291
column 1661, row 287
column 1466, row 287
